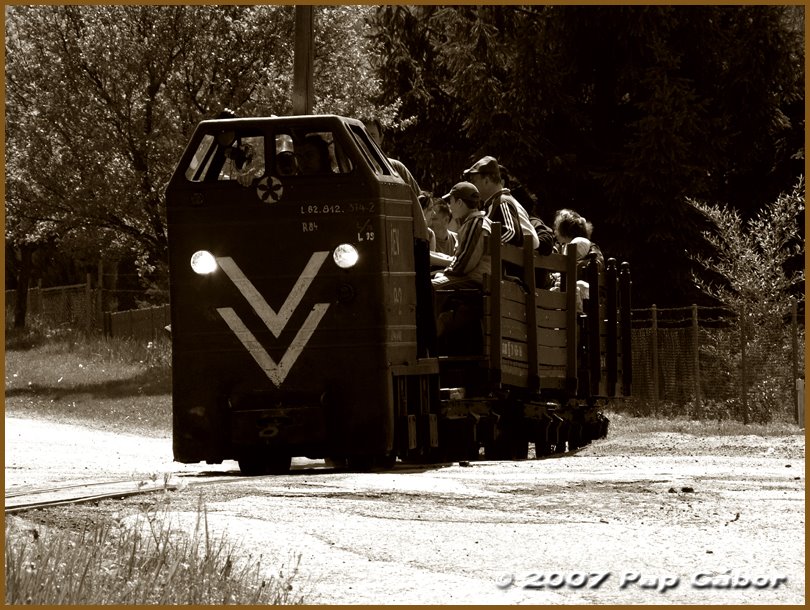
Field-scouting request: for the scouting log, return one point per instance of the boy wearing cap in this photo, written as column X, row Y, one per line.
column 501, row 207
column 469, row 261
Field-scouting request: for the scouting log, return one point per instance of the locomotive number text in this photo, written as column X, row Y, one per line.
column 325, row 208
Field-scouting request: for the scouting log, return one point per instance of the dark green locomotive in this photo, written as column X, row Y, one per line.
column 301, row 315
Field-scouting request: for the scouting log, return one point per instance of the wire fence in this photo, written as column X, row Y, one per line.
column 696, row 362
column 703, row 363
column 83, row 307
column 74, row 306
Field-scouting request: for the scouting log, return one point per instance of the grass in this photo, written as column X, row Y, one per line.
column 630, row 425
column 118, row 384
column 123, row 385
column 145, row 560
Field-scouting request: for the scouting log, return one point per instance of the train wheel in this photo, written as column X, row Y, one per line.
column 367, row 463
column 335, row 462
column 508, row 446
column 542, row 448
column 257, row 463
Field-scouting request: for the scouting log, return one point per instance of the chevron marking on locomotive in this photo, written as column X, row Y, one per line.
column 277, row 373
column 276, row 322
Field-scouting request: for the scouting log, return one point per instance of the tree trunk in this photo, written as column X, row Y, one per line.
column 23, row 279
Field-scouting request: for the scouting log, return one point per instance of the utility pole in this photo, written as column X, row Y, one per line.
column 303, row 93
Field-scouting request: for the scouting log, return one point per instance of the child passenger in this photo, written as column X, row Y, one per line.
column 469, row 262
column 573, row 231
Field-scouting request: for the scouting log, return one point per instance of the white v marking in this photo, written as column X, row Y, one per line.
column 276, row 372
column 274, row 321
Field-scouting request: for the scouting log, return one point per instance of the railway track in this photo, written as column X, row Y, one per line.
column 20, row 500
column 24, row 498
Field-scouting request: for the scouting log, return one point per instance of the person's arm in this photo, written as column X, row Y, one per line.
column 439, row 259
column 508, row 219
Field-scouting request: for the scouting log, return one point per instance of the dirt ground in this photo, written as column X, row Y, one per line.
column 661, row 519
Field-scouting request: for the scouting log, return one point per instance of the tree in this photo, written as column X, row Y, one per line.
column 750, row 262
column 102, row 99
column 750, row 259
column 618, row 111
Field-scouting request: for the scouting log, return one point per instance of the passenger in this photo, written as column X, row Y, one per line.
column 529, row 203
column 286, row 163
column 439, row 218
column 499, row 204
column 426, row 202
column 545, row 235
column 446, row 241
column 314, row 156
column 470, row 262
column 572, row 230
column 458, row 318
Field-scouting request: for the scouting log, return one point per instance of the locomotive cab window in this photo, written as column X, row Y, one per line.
column 227, row 156
column 309, row 153
column 371, row 152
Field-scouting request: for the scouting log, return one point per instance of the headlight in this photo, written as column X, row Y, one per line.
column 203, row 262
column 345, row 256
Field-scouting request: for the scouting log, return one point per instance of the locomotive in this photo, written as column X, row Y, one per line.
column 302, row 318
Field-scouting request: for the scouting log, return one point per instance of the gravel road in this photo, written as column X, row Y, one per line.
column 662, row 519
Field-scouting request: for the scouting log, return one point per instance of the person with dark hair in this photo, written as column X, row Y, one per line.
column 314, row 156
column 470, row 262
column 499, row 204
column 573, row 231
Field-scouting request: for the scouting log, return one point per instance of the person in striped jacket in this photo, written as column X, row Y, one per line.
column 469, row 263
column 499, row 203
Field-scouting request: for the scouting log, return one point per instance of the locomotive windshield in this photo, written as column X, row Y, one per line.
column 245, row 155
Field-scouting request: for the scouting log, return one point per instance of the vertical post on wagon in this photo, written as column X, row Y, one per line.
column 303, row 93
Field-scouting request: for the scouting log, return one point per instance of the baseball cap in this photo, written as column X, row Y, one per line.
column 484, row 165
column 466, row 191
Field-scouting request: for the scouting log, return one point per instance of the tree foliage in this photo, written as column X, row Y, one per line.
column 752, row 258
column 754, row 277
column 102, row 99
column 618, row 111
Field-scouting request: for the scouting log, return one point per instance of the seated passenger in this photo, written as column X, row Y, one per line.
column 458, row 319
column 469, row 263
column 499, row 203
column 573, row 231
column 314, row 156
column 439, row 217
column 286, row 163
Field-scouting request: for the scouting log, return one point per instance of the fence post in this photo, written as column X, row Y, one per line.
column 99, row 312
column 655, row 359
column 88, row 293
column 35, row 304
column 794, row 331
column 696, row 356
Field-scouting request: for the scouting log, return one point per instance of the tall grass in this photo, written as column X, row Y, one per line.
column 146, row 560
